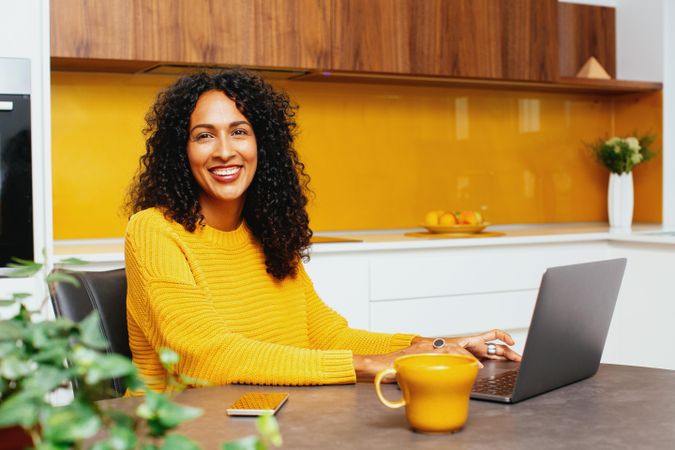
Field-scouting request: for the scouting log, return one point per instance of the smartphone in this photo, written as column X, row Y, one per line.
column 257, row 404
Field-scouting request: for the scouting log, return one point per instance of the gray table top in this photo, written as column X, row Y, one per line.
column 620, row 407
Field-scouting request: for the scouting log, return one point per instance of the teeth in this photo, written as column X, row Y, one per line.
column 226, row 172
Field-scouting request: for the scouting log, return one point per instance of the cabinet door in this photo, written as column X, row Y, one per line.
column 266, row 33
column 499, row 39
column 585, row 31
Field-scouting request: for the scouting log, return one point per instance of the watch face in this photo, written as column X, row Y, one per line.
column 439, row 343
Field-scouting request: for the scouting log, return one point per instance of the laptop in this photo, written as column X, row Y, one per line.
column 566, row 337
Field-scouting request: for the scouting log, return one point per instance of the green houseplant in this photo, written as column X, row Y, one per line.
column 620, row 156
column 38, row 358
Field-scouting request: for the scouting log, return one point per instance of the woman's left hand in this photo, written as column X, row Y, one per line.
column 477, row 345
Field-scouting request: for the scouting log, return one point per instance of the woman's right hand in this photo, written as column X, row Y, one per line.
column 367, row 366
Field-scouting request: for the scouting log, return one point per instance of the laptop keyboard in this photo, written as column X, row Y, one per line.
column 501, row 385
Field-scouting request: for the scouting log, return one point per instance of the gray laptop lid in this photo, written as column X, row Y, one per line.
column 569, row 326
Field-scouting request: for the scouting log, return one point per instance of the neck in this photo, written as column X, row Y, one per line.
column 220, row 215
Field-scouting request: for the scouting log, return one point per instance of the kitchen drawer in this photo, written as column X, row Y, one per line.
column 342, row 283
column 450, row 272
column 462, row 314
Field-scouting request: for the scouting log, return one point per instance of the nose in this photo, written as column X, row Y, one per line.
column 223, row 148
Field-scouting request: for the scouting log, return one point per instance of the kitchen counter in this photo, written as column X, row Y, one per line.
column 112, row 250
column 620, row 407
column 435, row 287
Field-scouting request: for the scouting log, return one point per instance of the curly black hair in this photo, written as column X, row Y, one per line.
column 275, row 203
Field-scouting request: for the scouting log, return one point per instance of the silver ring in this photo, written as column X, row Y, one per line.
column 491, row 348
column 438, row 343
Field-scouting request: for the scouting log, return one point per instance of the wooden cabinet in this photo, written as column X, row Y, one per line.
column 521, row 44
column 498, row 39
column 266, row 33
column 586, row 31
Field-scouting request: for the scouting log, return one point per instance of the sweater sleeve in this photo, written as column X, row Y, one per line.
column 172, row 305
column 329, row 330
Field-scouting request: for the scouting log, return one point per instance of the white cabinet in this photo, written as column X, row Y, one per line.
column 438, row 288
column 467, row 290
column 342, row 283
column 446, row 290
column 640, row 333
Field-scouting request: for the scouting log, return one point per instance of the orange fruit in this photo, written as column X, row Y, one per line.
column 447, row 219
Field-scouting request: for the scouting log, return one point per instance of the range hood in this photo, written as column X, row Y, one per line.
column 185, row 69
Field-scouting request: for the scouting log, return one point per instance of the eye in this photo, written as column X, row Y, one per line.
column 202, row 136
column 240, row 132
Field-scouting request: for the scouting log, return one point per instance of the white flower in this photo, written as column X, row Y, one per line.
column 617, row 149
column 636, row 158
column 633, row 144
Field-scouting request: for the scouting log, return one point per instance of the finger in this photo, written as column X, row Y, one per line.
column 461, row 351
column 504, row 352
column 498, row 334
column 511, row 355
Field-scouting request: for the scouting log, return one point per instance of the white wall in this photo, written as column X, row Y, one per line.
column 645, row 41
column 668, row 113
column 639, row 39
column 611, row 3
column 24, row 33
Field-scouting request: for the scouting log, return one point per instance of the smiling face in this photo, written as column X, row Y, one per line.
column 223, row 157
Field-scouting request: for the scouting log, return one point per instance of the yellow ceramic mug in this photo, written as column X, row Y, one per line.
column 436, row 389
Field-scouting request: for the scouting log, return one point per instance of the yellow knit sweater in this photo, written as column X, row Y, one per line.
column 207, row 296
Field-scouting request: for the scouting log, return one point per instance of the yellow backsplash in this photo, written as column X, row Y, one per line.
column 380, row 156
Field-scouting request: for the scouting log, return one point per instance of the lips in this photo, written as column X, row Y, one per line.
column 225, row 173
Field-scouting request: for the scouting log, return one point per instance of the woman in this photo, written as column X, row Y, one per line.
column 215, row 244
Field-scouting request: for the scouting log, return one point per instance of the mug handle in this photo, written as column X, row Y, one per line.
column 378, row 379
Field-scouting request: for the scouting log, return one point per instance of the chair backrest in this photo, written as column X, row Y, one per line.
column 104, row 292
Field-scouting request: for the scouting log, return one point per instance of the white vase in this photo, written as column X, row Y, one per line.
column 620, row 201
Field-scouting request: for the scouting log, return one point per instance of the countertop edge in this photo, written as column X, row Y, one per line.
column 646, row 236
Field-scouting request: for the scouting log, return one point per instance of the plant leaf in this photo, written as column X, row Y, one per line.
column 7, row 348
column 102, row 445
column 45, row 379
column 60, row 277
column 123, row 438
column 168, row 358
column 13, row 368
column 149, row 447
column 71, row 423
column 90, row 332
column 10, row 330
column 120, row 418
column 52, row 446
column 16, row 298
column 172, row 414
column 54, row 352
column 74, row 262
column 106, row 367
column 268, row 427
column 20, row 409
column 178, row 442
column 245, row 443
column 191, row 381
column 23, row 268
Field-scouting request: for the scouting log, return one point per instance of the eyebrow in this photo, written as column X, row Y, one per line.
column 212, row 127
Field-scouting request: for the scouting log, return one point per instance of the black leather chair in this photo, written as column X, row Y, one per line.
column 104, row 292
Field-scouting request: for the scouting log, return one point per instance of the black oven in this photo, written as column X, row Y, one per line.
column 16, row 186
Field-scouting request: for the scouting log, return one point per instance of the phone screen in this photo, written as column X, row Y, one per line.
column 257, row 403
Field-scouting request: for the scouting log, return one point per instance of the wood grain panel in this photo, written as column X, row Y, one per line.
column 82, row 29
column 586, row 31
column 271, row 33
column 530, row 40
column 372, row 35
column 509, row 39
